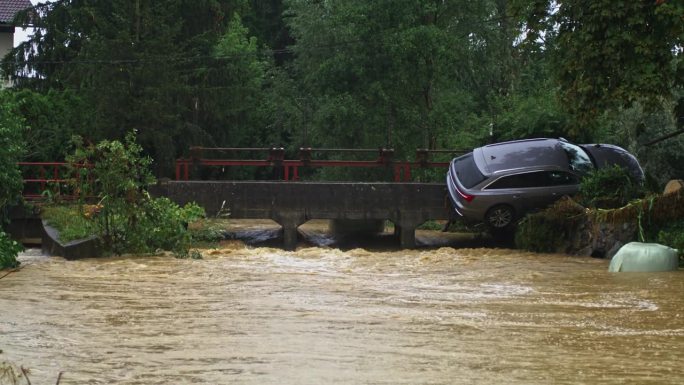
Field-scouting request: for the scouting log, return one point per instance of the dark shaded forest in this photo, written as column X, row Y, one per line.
column 402, row 74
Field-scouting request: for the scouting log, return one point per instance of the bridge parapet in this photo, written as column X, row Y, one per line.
column 407, row 205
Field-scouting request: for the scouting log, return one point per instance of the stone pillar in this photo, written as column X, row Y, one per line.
column 397, row 231
column 289, row 221
column 407, row 237
column 405, row 228
column 289, row 236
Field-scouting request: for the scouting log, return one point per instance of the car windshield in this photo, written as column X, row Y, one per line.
column 467, row 172
column 578, row 158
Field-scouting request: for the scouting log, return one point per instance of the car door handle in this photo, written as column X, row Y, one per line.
column 516, row 196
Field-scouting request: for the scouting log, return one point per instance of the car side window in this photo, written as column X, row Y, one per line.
column 534, row 179
column 511, row 181
column 559, row 178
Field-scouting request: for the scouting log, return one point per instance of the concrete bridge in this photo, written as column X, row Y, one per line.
column 291, row 204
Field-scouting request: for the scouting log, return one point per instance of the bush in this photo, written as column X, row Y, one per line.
column 673, row 235
column 162, row 225
column 8, row 251
column 609, row 188
column 128, row 219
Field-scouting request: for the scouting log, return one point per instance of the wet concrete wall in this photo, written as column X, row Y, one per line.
column 291, row 204
column 24, row 224
column 82, row 248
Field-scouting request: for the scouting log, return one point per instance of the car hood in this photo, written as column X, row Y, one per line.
column 606, row 155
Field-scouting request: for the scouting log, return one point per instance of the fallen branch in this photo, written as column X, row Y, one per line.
column 26, row 372
column 13, row 271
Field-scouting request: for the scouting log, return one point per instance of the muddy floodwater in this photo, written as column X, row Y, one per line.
column 320, row 315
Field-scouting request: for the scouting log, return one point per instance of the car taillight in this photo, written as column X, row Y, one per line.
column 467, row 197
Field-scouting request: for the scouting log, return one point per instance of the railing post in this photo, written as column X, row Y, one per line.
column 422, row 156
column 402, row 172
column 305, row 154
column 386, row 155
column 295, row 170
column 42, row 177
column 196, row 154
column 276, row 155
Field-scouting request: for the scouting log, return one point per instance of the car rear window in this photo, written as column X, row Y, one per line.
column 467, row 172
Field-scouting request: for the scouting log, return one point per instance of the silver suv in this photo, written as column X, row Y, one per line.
column 499, row 183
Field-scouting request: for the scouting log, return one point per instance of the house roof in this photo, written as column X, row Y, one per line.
column 9, row 8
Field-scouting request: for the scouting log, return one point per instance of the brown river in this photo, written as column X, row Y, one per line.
column 444, row 314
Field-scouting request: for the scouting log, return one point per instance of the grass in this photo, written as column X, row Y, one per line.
column 207, row 232
column 432, row 225
column 70, row 222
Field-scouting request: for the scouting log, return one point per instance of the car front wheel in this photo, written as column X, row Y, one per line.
column 500, row 217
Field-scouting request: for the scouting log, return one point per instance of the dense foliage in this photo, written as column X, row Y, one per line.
column 11, row 150
column 404, row 74
column 609, row 188
column 8, row 251
column 672, row 235
column 126, row 218
column 610, row 55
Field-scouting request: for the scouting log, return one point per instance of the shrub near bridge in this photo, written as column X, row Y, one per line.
column 128, row 219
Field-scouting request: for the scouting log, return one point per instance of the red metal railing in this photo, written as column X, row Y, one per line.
column 55, row 177
column 59, row 179
column 275, row 158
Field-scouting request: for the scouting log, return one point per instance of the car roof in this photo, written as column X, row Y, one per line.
column 518, row 155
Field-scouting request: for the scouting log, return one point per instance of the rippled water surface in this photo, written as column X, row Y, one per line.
column 247, row 315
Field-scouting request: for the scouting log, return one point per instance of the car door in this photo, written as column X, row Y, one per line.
column 542, row 188
column 530, row 191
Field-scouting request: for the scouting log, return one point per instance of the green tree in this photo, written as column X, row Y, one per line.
column 143, row 65
column 611, row 54
column 11, row 150
column 52, row 118
column 432, row 74
column 384, row 73
column 265, row 22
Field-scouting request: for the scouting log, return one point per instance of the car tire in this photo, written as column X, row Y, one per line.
column 500, row 218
